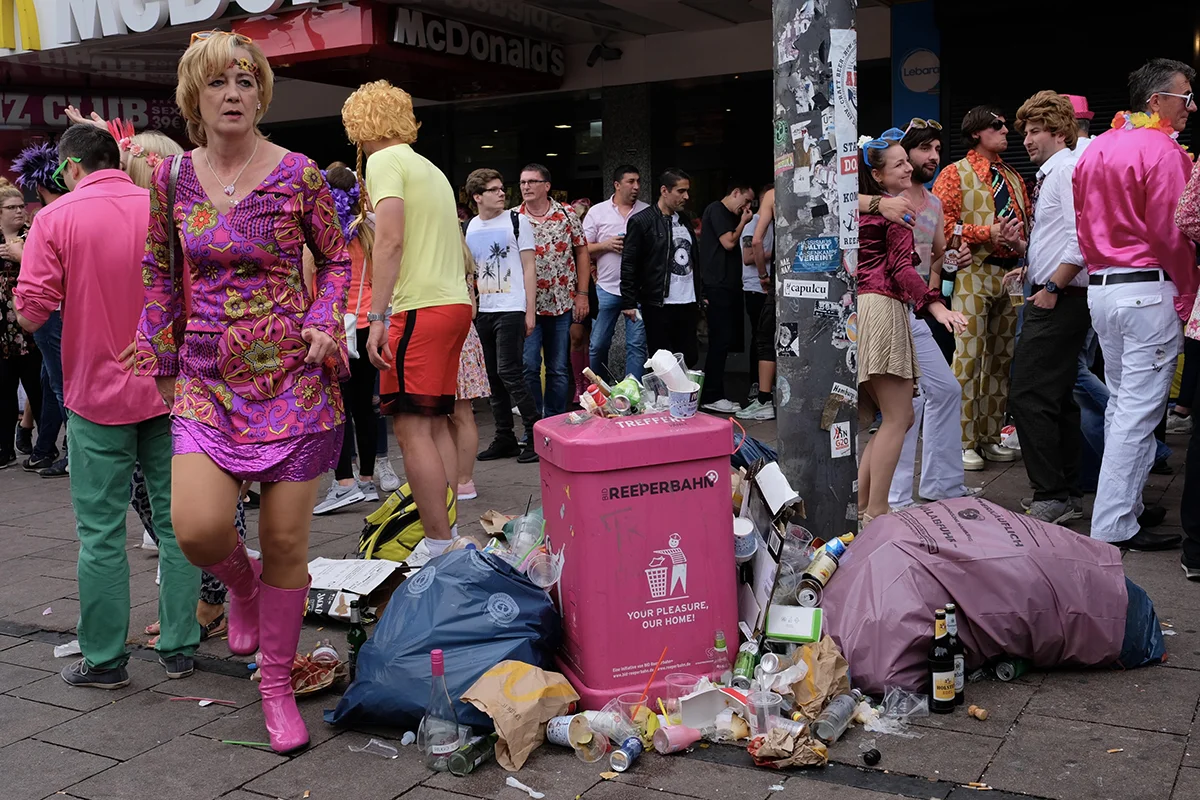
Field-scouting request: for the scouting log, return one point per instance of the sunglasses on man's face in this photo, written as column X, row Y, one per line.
column 63, row 166
column 998, row 125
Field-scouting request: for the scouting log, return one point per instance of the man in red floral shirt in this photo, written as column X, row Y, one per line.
column 563, row 269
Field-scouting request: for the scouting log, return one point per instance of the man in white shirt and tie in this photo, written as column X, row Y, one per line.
column 1056, row 317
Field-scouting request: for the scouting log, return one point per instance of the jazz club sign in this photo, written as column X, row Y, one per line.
column 24, row 110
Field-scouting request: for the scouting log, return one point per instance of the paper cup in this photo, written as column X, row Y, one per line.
column 745, row 543
column 558, row 730
column 685, row 403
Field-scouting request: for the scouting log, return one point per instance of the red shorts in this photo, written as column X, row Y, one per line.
column 426, row 344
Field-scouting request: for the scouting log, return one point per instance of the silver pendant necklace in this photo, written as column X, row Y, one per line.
column 231, row 188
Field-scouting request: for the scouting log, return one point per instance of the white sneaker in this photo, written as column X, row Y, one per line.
column 158, row 574
column 1179, row 424
column 339, row 497
column 370, row 494
column 148, row 542
column 972, row 461
column 722, row 406
column 758, row 411
column 998, row 452
column 386, row 477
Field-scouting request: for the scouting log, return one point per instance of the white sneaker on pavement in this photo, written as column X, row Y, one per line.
column 339, row 496
column 972, row 461
column 370, row 493
column 1177, row 423
column 722, row 406
column 385, row 476
column 148, row 542
column 998, row 452
column 757, row 411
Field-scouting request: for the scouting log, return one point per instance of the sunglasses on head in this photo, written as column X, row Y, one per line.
column 874, row 144
column 917, row 124
column 204, row 35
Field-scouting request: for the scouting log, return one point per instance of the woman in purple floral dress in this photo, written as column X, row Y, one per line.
column 251, row 372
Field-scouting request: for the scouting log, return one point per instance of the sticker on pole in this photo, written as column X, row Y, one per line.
column 817, row 254
column 839, row 440
column 806, row 290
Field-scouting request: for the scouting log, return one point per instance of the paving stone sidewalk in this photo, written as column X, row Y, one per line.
column 1048, row 735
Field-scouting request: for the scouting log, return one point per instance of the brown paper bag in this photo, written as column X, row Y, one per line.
column 780, row 750
column 493, row 523
column 520, row 699
column 828, row 676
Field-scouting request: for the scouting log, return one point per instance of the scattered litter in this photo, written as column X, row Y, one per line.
column 1170, row 633
column 246, row 744
column 979, row 787
column 376, row 748
column 71, row 648
column 776, row 788
column 252, row 666
column 608, row 776
column 307, row 793
column 871, row 757
column 408, row 738
column 978, row 713
column 516, row 784
column 205, row 701
column 1117, row 750
column 1166, row 624
column 47, row 611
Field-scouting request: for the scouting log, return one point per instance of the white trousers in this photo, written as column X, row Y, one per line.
column 939, row 406
column 1140, row 334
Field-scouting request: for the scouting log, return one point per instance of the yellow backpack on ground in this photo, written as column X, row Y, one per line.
column 395, row 528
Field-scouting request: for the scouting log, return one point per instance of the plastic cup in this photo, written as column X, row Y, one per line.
column 590, row 747
column 685, row 403
column 761, row 707
column 1016, row 291
column 543, row 570
column 679, row 686
column 629, row 702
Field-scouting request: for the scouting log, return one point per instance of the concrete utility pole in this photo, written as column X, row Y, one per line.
column 816, row 249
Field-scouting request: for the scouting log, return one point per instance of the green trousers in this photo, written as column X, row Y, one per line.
column 102, row 460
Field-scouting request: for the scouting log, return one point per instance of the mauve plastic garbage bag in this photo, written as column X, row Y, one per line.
column 1023, row 588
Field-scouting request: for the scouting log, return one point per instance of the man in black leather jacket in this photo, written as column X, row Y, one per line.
column 659, row 271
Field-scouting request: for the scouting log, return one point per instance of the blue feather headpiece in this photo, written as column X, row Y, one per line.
column 345, row 202
column 35, row 167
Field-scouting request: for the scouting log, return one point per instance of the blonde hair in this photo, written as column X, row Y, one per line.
column 7, row 190
column 138, row 167
column 374, row 112
column 208, row 58
column 1053, row 112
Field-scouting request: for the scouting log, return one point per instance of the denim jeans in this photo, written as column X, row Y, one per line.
column 53, row 414
column 502, row 335
column 602, row 336
column 551, row 334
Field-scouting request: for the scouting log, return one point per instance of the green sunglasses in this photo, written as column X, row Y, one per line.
column 63, row 166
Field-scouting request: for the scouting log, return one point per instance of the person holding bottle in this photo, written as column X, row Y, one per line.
column 887, row 359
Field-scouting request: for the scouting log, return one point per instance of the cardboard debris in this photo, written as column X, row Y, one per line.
column 338, row 582
column 780, row 750
column 828, row 676
column 493, row 522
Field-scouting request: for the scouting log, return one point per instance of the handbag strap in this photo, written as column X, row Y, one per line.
column 362, row 283
column 171, row 183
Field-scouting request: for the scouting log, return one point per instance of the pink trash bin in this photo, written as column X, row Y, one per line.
column 642, row 507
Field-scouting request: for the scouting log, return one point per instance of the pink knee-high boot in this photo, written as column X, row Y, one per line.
column 579, row 360
column 281, row 615
column 240, row 574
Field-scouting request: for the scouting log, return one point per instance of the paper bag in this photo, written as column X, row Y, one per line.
column 828, row 676
column 780, row 750
column 520, row 699
column 493, row 522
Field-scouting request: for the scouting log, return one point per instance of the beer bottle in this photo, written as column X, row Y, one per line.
column 355, row 638
column 941, row 667
column 959, row 652
column 948, row 269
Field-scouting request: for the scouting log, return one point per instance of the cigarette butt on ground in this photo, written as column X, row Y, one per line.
column 1117, row 750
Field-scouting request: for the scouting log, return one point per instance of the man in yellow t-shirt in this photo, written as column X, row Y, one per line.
column 416, row 341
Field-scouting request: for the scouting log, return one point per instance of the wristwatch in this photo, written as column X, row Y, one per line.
column 373, row 317
column 1051, row 287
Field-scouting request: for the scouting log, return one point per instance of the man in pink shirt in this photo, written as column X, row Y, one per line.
column 85, row 253
column 1141, row 282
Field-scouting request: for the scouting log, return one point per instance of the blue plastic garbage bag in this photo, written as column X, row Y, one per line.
column 1143, row 643
column 747, row 450
column 477, row 609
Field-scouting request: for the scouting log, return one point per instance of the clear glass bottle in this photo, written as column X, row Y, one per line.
column 722, row 667
column 438, row 735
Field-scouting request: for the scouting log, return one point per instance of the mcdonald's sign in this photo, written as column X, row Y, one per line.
column 19, row 16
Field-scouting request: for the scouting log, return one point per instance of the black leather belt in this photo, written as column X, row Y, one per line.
column 1142, row 276
column 1006, row 263
column 1066, row 291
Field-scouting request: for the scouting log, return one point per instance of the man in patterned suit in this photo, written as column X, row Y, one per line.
column 989, row 198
